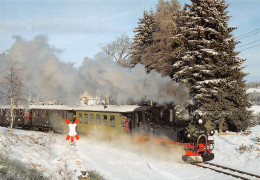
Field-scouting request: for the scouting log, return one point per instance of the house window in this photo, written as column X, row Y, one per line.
column 80, row 117
column 91, row 119
column 86, row 118
column 112, row 121
column 98, row 118
column 105, row 120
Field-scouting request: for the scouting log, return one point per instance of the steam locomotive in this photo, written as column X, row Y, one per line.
column 164, row 125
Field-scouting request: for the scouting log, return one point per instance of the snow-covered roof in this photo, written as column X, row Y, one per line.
column 109, row 108
column 56, row 107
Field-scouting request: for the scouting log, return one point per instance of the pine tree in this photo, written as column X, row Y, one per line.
column 162, row 53
column 153, row 44
column 210, row 66
column 143, row 37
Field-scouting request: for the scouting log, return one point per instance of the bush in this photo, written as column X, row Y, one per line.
column 11, row 170
column 244, row 148
column 94, row 175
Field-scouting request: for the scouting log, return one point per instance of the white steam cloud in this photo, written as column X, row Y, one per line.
column 111, row 78
column 48, row 77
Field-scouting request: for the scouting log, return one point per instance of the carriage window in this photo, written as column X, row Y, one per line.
column 112, row 121
column 43, row 113
column 105, row 120
column 64, row 114
column 91, row 119
column 38, row 114
column 80, row 117
column 86, row 118
column 47, row 114
column 123, row 120
column 98, row 118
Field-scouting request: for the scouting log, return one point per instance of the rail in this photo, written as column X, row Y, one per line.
column 240, row 176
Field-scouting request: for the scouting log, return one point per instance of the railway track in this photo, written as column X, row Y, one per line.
column 228, row 171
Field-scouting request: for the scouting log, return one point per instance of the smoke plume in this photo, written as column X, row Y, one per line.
column 102, row 73
column 48, row 77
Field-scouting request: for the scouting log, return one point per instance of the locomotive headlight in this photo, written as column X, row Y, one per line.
column 188, row 135
column 212, row 132
column 200, row 121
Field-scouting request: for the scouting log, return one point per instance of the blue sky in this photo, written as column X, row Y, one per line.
column 78, row 27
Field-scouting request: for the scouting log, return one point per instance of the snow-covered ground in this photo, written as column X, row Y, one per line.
column 52, row 155
column 47, row 152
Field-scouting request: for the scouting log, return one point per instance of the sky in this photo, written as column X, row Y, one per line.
column 79, row 27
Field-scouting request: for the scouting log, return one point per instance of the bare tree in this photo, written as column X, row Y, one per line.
column 119, row 50
column 12, row 87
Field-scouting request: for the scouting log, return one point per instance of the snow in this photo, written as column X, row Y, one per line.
column 47, row 152
column 210, row 51
column 120, row 159
column 255, row 109
column 253, row 90
column 83, row 107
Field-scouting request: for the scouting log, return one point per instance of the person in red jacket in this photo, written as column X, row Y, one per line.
column 126, row 125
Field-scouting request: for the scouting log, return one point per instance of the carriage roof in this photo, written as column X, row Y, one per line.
column 100, row 108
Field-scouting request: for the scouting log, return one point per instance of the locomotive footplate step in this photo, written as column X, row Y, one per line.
column 192, row 159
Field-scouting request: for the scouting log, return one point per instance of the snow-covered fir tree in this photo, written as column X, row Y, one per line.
column 143, row 37
column 210, row 66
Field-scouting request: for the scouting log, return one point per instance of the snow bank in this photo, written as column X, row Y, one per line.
column 48, row 153
column 227, row 151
